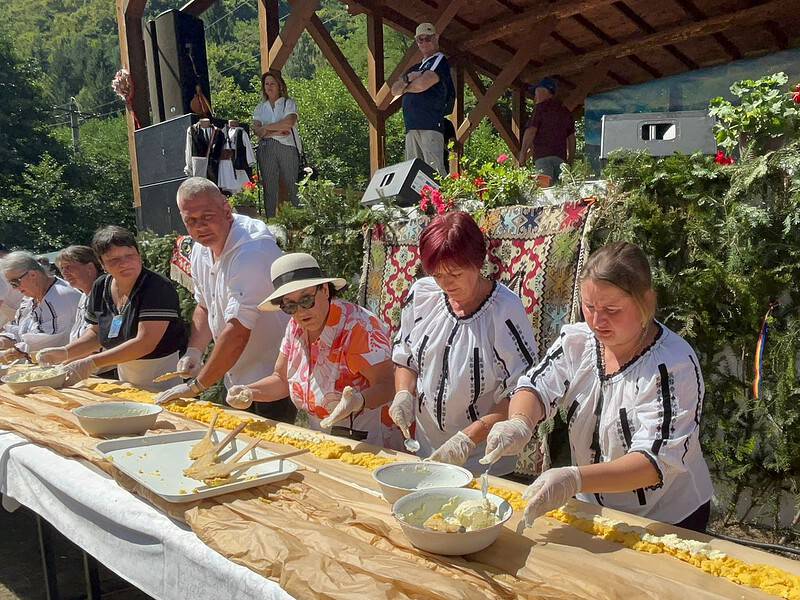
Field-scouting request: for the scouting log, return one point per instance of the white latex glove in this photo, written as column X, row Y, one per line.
column 506, row 438
column 52, row 356
column 80, row 369
column 454, row 451
column 402, row 411
column 239, row 396
column 551, row 490
column 182, row 390
column 191, row 362
column 352, row 401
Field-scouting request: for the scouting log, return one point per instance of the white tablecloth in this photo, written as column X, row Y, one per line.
column 131, row 537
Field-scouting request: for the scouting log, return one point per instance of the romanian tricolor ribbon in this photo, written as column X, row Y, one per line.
column 760, row 346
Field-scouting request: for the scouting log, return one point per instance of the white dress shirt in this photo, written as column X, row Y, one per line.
column 268, row 114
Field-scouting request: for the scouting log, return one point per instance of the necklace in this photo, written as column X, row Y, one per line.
column 645, row 336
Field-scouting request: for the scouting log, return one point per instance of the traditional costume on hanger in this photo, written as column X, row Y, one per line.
column 204, row 150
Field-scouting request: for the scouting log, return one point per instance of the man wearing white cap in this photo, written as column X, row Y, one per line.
column 335, row 359
column 231, row 257
column 428, row 95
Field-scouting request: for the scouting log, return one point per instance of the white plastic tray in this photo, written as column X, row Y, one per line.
column 157, row 462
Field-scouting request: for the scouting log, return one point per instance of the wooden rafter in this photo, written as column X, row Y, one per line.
column 269, row 29
column 588, row 80
column 298, row 20
column 340, row 64
column 440, row 20
column 691, row 9
column 521, row 22
column 506, row 77
column 644, row 26
column 576, row 50
column 755, row 15
column 609, row 40
column 502, row 126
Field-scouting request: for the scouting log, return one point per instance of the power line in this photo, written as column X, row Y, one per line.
column 222, row 18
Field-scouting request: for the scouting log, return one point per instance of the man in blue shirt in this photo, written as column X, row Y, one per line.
column 428, row 94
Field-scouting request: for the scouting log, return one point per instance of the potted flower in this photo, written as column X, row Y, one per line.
column 246, row 201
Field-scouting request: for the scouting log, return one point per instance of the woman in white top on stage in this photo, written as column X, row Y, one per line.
column 633, row 392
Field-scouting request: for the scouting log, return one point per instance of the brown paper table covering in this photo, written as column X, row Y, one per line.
column 319, row 537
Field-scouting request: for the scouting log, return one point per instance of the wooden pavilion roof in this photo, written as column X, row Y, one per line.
column 597, row 45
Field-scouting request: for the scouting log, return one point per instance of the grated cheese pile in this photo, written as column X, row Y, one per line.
column 699, row 554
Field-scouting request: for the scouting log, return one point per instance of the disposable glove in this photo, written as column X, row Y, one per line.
column 191, row 362
column 551, row 490
column 80, row 369
column 402, row 411
column 352, row 402
column 52, row 356
column 454, row 451
column 182, row 390
column 240, row 397
column 506, row 438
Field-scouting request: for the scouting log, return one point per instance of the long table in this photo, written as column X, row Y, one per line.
column 325, row 534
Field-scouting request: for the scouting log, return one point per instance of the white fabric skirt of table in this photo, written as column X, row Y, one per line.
column 128, row 535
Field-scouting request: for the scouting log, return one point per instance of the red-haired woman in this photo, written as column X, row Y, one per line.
column 463, row 341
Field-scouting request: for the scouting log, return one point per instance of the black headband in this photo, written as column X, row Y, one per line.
column 297, row 275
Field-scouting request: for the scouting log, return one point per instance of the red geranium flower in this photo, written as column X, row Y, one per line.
column 723, row 159
column 502, row 158
column 455, row 175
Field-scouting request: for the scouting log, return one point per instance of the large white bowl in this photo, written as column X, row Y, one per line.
column 439, row 542
column 23, row 387
column 398, row 479
column 117, row 418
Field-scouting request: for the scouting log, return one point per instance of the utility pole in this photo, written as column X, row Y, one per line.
column 74, row 123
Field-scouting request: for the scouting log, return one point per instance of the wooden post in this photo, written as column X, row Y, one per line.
column 298, row 20
column 518, row 113
column 458, row 116
column 375, row 73
column 269, row 29
column 132, row 58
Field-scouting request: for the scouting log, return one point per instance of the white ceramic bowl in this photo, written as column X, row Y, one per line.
column 439, row 542
column 398, row 479
column 117, row 418
column 55, row 379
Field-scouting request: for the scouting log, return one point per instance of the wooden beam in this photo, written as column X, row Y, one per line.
column 340, row 64
column 776, row 31
column 680, row 33
column 440, row 20
column 577, row 51
column 132, row 58
column 506, row 77
column 643, row 25
column 197, row 7
column 691, row 9
column 609, row 40
column 500, row 124
column 298, row 20
column 375, row 79
column 520, row 23
column 457, row 116
column 269, row 29
column 585, row 83
column 518, row 113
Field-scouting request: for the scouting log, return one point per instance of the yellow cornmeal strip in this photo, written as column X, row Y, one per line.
column 769, row 579
column 513, row 498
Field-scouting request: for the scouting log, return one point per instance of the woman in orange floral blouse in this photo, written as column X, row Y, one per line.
column 335, row 359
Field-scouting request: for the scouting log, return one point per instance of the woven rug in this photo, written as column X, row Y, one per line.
column 536, row 251
column 180, row 266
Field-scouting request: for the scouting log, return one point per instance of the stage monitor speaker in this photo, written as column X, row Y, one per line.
column 159, row 211
column 401, row 183
column 161, row 149
column 658, row 134
column 175, row 53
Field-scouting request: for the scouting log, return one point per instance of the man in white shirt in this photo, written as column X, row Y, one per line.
column 9, row 297
column 231, row 260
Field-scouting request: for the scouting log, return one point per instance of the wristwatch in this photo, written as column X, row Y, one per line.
column 195, row 385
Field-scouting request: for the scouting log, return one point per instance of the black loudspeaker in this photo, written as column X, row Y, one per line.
column 158, row 211
column 175, row 53
column 402, row 183
column 161, row 149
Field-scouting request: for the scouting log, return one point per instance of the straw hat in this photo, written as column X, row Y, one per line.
column 292, row 272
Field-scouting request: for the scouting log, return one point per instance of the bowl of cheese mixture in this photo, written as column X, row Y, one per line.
column 451, row 521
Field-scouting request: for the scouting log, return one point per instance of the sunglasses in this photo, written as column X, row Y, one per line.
column 424, row 38
column 305, row 302
column 17, row 281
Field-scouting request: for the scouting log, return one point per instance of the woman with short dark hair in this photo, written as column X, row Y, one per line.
column 134, row 317
column 464, row 340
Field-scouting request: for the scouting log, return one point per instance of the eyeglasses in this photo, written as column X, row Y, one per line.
column 17, row 281
column 424, row 38
column 305, row 302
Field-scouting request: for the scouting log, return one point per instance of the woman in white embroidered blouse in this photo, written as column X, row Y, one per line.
column 279, row 147
column 464, row 340
column 633, row 392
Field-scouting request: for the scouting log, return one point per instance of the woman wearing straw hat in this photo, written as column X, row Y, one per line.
column 335, row 360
